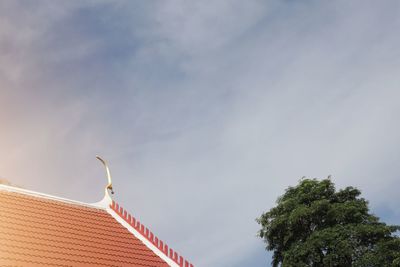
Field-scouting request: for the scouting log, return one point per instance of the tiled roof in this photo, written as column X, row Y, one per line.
column 40, row 231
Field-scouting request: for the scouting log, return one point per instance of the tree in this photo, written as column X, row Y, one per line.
column 315, row 225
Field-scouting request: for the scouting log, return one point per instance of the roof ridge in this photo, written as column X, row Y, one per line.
column 149, row 236
column 9, row 188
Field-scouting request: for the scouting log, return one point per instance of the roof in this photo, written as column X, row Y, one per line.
column 42, row 230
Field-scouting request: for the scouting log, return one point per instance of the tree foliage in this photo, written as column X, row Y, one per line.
column 315, row 225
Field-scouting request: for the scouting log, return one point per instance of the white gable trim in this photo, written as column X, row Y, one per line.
column 13, row 189
column 139, row 236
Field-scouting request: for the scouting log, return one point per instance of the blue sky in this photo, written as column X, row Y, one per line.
column 206, row 111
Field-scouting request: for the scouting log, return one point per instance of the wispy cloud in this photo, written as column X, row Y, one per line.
column 206, row 111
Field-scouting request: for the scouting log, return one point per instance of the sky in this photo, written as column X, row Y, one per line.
column 205, row 110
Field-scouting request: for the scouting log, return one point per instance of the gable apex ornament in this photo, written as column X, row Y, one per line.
column 109, row 185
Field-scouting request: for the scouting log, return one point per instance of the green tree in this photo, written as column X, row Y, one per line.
column 315, row 225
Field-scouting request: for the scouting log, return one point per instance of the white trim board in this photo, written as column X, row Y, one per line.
column 139, row 236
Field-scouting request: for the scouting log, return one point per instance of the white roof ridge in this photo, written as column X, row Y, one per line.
column 160, row 248
column 98, row 205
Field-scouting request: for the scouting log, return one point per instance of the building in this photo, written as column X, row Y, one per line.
column 41, row 230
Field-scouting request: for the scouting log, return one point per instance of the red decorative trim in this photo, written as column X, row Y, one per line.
column 169, row 252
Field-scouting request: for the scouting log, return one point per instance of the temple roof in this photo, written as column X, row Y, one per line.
column 41, row 230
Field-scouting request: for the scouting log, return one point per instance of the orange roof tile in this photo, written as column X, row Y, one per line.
column 40, row 231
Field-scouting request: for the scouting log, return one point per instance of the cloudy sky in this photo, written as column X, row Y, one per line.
column 205, row 110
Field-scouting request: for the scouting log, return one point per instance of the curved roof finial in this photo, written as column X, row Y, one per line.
column 109, row 185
